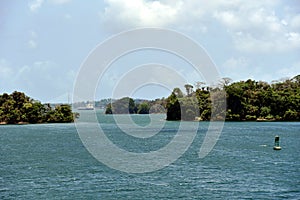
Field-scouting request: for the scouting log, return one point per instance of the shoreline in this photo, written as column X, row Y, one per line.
column 27, row 123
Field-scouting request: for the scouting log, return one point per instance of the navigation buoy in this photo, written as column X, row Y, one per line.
column 276, row 143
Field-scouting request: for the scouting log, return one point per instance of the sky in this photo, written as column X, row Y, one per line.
column 43, row 43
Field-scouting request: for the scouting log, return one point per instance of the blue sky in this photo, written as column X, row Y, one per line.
column 44, row 42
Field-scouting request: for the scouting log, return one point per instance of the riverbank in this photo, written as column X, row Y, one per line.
column 17, row 108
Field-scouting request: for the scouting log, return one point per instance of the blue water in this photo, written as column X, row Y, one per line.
column 49, row 161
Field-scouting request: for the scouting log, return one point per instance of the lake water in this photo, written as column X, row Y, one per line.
column 49, row 161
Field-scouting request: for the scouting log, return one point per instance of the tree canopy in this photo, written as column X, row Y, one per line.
column 127, row 105
column 233, row 101
column 246, row 100
column 19, row 108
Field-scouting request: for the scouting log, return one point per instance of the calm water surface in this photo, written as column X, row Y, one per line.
column 48, row 161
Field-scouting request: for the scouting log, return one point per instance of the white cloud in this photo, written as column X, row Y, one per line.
column 293, row 38
column 283, row 42
column 256, row 26
column 35, row 5
column 259, row 29
column 295, row 21
column 266, row 32
column 228, row 18
column 136, row 13
column 174, row 12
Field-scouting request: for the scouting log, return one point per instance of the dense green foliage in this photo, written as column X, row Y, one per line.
column 246, row 100
column 143, row 108
column 19, row 108
column 259, row 100
column 127, row 105
column 194, row 105
column 173, row 107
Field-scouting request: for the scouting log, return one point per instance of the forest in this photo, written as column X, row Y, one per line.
column 242, row 101
column 17, row 108
column 127, row 105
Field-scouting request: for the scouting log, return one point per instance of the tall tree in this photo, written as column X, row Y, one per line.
column 173, row 107
column 189, row 89
column 178, row 92
column 143, row 108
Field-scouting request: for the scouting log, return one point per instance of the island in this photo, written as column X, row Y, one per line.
column 17, row 108
column 127, row 105
column 248, row 100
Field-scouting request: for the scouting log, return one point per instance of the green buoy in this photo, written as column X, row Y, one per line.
column 276, row 144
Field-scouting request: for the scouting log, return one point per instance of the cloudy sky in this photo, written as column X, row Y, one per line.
column 44, row 42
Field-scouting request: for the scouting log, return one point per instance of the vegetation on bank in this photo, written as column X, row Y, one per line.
column 244, row 101
column 127, row 105
column 17, row 108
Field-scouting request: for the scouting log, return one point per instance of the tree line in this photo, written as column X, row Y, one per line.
column 238, row 101
column 127, row 105
column 243, row 101
column 18, row 108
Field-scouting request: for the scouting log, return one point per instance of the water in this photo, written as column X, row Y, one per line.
column 48, row 161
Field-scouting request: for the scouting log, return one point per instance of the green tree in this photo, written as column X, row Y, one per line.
column 61, row 113
column 17, row 108
column 189, row 108
column 125, row 105
column 265, row 111
column 109, row 109
column 178, row 92
column 291, row 115
column 173, row 108
column 143, row 108
column 35, row 112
